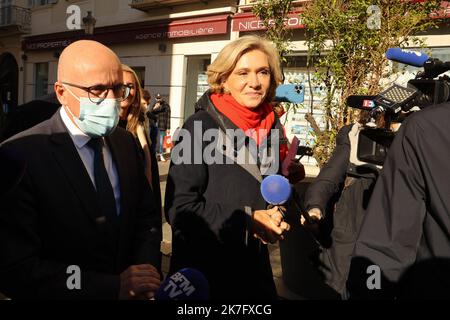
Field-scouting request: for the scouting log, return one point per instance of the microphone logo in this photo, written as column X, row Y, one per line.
column 419, row 54
column 178, row 285
column 368, row 104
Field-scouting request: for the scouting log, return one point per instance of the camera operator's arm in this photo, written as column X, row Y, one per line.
column 331, row 177
column 393, row 225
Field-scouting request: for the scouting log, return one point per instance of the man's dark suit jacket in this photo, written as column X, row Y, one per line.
column 51, row 219
column 28, row 115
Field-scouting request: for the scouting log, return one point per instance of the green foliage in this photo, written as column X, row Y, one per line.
column 346, row 43
column 348, row 52
column 272, row 14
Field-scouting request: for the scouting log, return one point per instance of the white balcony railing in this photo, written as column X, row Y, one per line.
column 15, row 16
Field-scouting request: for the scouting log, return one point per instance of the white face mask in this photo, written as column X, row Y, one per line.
column 97, row 119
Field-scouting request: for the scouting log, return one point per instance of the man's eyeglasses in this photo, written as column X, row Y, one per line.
column 98, row 93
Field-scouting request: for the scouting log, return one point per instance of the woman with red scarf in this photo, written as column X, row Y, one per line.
column 220, row 222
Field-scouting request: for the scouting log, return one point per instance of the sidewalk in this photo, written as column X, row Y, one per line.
column 274, row 249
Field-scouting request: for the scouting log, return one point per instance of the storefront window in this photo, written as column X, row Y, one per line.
column 36, row 3
column 5, row 12
column 295, row 71
column 196, row 82
column 140, row 72
column 41, row 79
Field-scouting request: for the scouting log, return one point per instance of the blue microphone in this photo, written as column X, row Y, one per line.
column 276, row 189
column 185, row 284
column 412, row 58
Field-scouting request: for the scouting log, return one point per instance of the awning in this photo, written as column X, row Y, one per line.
column 141, row 31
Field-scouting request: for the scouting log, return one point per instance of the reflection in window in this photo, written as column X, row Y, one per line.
column 41, row 79
column 295, row 71
column 36, row 3
column 140, row 72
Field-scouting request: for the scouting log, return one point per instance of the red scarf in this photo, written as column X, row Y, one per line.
column 248, row 120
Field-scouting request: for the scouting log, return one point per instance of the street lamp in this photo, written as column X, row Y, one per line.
column 89, row 23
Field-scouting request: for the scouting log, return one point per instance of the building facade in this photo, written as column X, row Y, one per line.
column 15, row 22
column 168, row 42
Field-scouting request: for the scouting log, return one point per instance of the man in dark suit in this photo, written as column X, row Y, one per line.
column 81, row 222
column 28, row 115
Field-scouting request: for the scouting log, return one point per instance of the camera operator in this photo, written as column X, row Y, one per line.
column 340, row 195
column 406, row 228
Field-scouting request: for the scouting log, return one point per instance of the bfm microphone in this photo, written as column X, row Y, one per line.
column 185, row 284
column 411, row 58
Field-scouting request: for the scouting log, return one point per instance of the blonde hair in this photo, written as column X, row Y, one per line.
column 226, row 61
column 136, row 107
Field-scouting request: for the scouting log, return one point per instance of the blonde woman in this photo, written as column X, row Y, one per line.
column 216, row 208
column 132, row 117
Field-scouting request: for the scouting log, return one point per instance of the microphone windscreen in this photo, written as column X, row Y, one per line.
column 185, row 284
column 276, row 189
column 412, row 58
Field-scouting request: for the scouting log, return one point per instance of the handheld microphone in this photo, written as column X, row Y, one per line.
column 412, row 58
column 276, row 190
column 185, row 284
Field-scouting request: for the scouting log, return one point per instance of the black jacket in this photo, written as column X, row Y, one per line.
column 50, row 219
column 341, row 191
column 406, row 231
column 161, row 115
column 206, row 204
column 26, row 116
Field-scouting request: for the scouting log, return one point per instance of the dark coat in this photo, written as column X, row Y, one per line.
column 406, row 230
column 342, row 192
column 161, row 116
column 26, row 116
column 211, row 227
column 50, row 220
column 156, row 186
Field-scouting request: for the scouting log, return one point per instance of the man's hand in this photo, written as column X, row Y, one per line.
column 139, row 282
column 156, row 106
column 269, row 225
column 315, row 215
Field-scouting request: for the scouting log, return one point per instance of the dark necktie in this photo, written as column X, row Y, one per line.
column 105, row 193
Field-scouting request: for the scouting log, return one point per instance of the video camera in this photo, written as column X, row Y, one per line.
column 397, row 101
